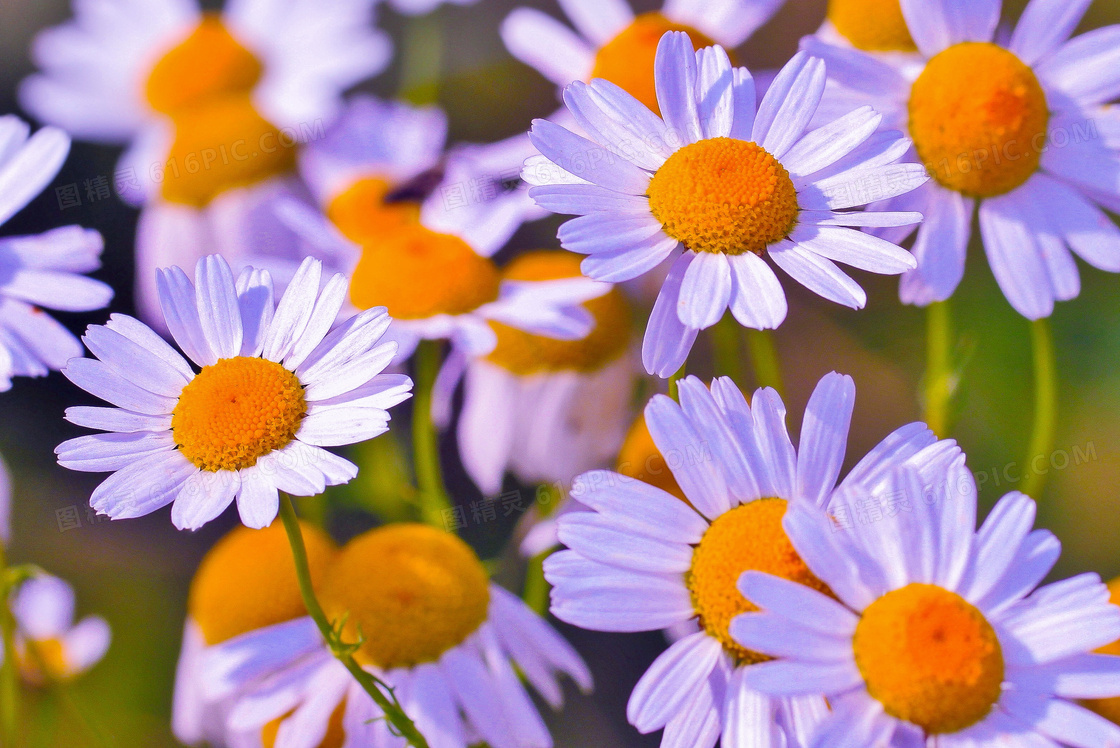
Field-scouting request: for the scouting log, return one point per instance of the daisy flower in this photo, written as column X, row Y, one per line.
column 1019, row 129
column 277, row 385
column 930, row 633
column 435, row 629
column 547, row 409
column 247, row 581
column 49, row 645
column 210, row 106
column 642, row 559
column 719, row 186
column 611, row 43
column 44, row 270
column 413, row 229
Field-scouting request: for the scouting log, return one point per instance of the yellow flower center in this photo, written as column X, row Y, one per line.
column 204, row 85
column 747, row 538
column 362, row 214
column 872, row 25
column 247, row 581
column 1108, row 708
column 978, row 117
column 640, row 459
column 724, row 195
column 237, row 411
column 335, row 737
column 525, row 354
column 42, row 662
column 930, row 658
column 411, row 590
column 417, row 273
column 627, row 60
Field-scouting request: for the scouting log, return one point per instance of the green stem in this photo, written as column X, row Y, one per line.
column 422, row 60
column 434, row 501
column 1045, row 406
column 764, row 355
column 939, row 384
column 536, row 586
column 678, row 375
column 727, row 349
column 9, row 673
column 343, row 651
column 100, row 738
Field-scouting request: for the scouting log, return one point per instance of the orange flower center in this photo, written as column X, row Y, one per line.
column 627, row 60
column 872, row 25
column 412, row 591
column 237, row 411
column 930, row 658
column 364, row 217
column 724, row 195
column 417, row 273
column 525, row 354
column 247, row 581
column 979, row 118
column 204, row 85
column 747, row 538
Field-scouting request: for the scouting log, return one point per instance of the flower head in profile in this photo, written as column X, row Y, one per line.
column 545, row 409
column 640, row 558
column 246, row 582
column 279, row 381
column 721, row 185
column 434, row 628
column 43, row 271
column 933, row 633
column 50, row 647
column 212, row 107
column 611, row 43
column 1017, row 130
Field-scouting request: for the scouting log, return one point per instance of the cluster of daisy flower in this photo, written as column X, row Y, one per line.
column 301, row 273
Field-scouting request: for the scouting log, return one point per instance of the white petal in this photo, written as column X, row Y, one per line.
column 789, row 104
column 547, row 45
column 938, row 24
column 218, row 311
column 294, row 311
column 687, row 455
column 715, row 86
column 583, row 158
column 1015, row 257
column 667, row 342
column 176, row 299
column 203, row 497
column 854, row 248
column 828, row 144
column 940, row 248
column 1086, row 69
column 258, row 502
column 598, row 20
column 757, row 298
column 1044, row 26
column 819, row 275
column 31, row 169
column 671, row 681
column 824, row 437
column 142, row 487
column 675, row 78
column 705, row 291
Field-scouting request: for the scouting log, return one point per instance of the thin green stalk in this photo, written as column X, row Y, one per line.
column 422, row 59
column 939, row 380
column 678, row 375
column 344, row 651
column 764, row 355
column 728, row 349
column 9, row 673
column 1045, row 406
column 537, row 589
column 434, row 501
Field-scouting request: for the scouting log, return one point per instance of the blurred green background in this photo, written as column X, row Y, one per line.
column 136, row 573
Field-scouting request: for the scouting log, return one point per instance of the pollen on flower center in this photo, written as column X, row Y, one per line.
column 525, row 353
column 413, row 592
column 872, row 25
column 979, row 118
column 417, row 273
column 747, row 538
column 627, row 59
column 930, row 658
column 363, row 215
column 724, row 195
column 237, row 411
column 248, row 580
